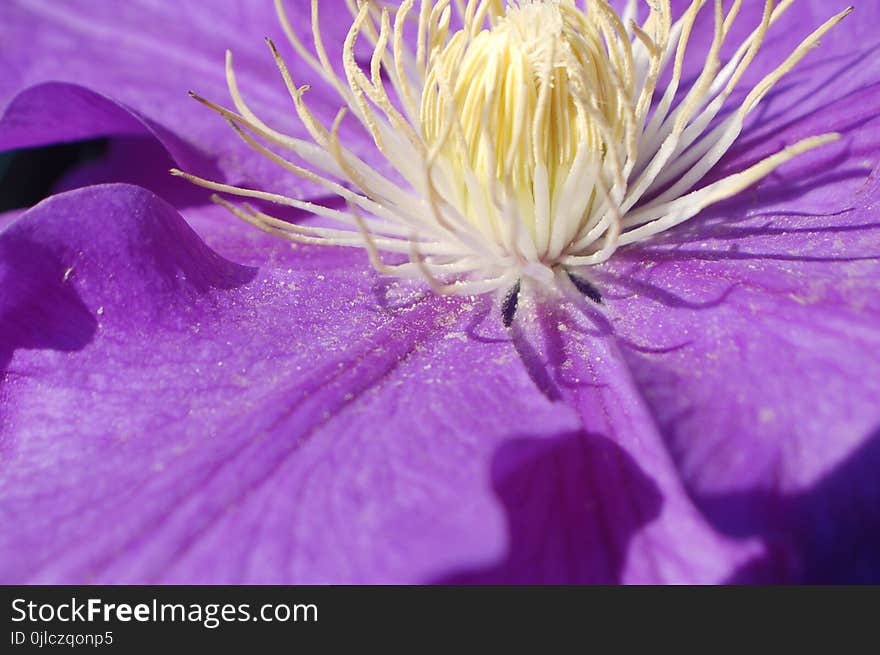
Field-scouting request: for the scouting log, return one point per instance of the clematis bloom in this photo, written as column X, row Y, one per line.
column 186, row 399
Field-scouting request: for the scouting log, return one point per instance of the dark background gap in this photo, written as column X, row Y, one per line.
column 28, row 176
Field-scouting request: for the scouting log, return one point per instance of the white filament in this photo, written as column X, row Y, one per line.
column 525, row 140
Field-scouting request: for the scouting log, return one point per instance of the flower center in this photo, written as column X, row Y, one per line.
column 528, row 145
column 525, row 96
column 522, row 92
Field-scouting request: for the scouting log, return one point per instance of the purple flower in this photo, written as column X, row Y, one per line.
column 187, row 399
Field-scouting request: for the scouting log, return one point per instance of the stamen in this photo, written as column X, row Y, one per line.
column 586, row 288
column 508, row 307
column 524, row 142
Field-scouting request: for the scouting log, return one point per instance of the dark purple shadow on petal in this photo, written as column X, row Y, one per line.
column 486, row 325
column 719, row 223
column 845, row 114
column 834, row 526
column 719, row 255
column 806, row 76
column 768, row 111
column 391, row 297
column 39, row 305
column 573, row 503
column 541, row 361
column 545, row 355
column 555, row 343
column 534, row 364
column 557, row 315
column 727, row 229
column 684, row 254
column 837, row 116
column 823, row 173
column 659, row 295
column 548, row 357
column 806, row 87
column 805, row 84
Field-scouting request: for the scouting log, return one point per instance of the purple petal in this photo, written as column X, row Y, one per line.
column 716, row 424
column 7, row 217
column 170, row 416
column 147, row 62
column 801, row 19
column 762, row 392
column 144, row 58
column 184, row 419
column 604, row 504
column 56, row 112
column 139, row 161
column 765, row 311
column 745, row 334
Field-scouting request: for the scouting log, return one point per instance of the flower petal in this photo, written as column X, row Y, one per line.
column 170, row 416
column 56, row 112
column 146, row 57
column 170, row 437
column 7, row 217
column 140, row 161
column 760, row 321
column 746, row 333
column 604, row 504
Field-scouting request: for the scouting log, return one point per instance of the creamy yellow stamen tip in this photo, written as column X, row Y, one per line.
column 516, row 105
column 525, row 93
column 530, row 144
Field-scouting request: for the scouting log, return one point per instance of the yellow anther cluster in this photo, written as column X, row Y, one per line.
column 515, row 103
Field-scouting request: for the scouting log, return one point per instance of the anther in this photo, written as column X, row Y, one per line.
column 508, row 307
column 586, row 288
